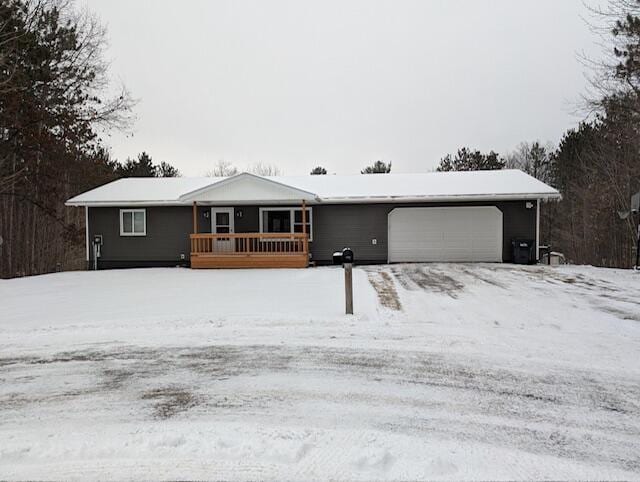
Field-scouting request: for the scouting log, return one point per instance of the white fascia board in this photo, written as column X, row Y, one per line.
column 265, row 202
column 259, row 202
column 105, row 204
column 296, row 192
column 461, row 198
column 329, row 200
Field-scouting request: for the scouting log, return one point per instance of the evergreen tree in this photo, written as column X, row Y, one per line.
column 167, row 170
column 626, row 35
column 143, row 166
column 378, row 167
column 53, row 99
column 318, row 171
column 468, row 160
column 140, row 167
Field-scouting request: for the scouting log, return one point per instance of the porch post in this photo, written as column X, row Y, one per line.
column 195, row 218
column 304, row 227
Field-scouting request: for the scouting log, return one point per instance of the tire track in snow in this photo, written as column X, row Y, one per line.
column 569, row 414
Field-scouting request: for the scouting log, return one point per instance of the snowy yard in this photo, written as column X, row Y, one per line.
column 445, row 372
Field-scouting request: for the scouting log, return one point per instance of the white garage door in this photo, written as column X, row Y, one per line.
column 445, row 234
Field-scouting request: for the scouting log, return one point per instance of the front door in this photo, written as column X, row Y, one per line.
column 222, row 223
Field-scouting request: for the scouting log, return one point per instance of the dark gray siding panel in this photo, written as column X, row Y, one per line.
column 167, row 238
column 247, row 219
column 357, row 225
column 334, row 227
column 354, row 226
column 168, row 230
column 204, row 220
column 519, row 222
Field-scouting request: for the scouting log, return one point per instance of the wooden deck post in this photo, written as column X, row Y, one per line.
column 195, row 217
column 305, row 240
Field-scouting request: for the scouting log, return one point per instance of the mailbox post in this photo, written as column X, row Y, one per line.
column 347, row 263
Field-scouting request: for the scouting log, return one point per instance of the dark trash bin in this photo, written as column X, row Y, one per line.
column 522, row 251
column 337, row 257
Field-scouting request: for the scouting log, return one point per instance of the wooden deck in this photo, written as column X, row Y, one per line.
column 250, row 250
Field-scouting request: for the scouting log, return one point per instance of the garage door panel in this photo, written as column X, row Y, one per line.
column 445, row 234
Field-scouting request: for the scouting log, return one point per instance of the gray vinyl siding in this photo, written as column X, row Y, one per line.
column 350, row 226
column 334, row 227
column 167, row 237
column 356, row 225
column 247, row 219
column 518, row 222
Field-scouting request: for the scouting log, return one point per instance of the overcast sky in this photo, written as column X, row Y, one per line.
column 343, row 83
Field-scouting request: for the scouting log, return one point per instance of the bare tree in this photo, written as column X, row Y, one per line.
column 264, row 169
column 532, row 158
column 226, row 168
column 222, row 169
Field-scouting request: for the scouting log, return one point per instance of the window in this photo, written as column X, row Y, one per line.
column 285, row 220
column 297, row 221
column 133, row 222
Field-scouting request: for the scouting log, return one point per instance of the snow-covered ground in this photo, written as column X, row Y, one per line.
column 445, row 372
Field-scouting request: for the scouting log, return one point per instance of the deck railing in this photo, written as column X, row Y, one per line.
column 250, row 244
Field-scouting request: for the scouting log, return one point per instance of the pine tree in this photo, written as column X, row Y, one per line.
column 167, row 170
column 52, row 100
column 468, row 160
column 140, row 167
column 378, row 167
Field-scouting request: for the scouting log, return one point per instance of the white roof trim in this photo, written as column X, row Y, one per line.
column 440, row 198
column 250, row 189
column 296, row 194
column 340, row 200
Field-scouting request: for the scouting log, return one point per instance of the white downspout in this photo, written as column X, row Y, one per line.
column 538, row 230
column 86, row 233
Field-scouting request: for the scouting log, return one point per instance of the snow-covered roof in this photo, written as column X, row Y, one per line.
column 433, row 186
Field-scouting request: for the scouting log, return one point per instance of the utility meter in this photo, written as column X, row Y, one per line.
column 97, row 245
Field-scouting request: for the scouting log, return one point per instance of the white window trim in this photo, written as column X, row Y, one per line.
column 143, row 211
column 292, row 214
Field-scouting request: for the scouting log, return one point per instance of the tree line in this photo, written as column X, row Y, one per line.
column 596, row 168
column 226, row 168
column 54, row 106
